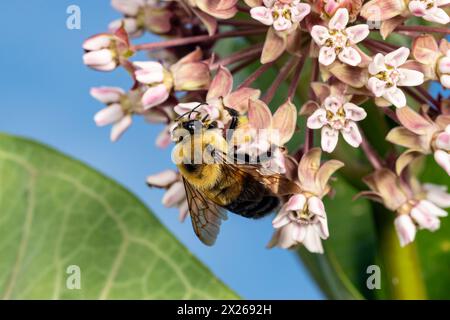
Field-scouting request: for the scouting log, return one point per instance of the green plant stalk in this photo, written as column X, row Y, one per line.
column 400, row 267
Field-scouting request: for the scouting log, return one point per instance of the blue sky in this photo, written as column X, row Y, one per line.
column 45, row 96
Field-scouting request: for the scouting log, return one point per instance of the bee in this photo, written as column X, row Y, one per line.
column 214, row 183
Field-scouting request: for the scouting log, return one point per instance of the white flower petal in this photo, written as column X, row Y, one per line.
column 262, row 14
column 299, row 11
column 351, row 134
column 99, row 57
column 163, row 179
column 120, row 127
column 406, row 230
column 438, row 15
column 174, row 195
column 350, row 56
column 109, row 115
column 353, row 112
column 296, row 202
column 377, row 64
column 437, row 194
column 327, row 55
column 357, row 33
column 149, row 72
column 315, row 206
column 443, row 159
column 329, row 139
column 339, row 20
column 312, row 240
column 417, row 8
column 318, row 119
column 397, row 58
column 396, row 97
column 410, row 77
column 107, row 95
column 154, row 96
column 319, row 34
column 377, row 86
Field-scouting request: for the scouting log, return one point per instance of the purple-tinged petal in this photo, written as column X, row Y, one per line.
column 329, row 139
column 443, row 159
column 109, row 115
column 396, row 97
column 162, row 179
column 406, row 230
column 154, row 96
column 262, row 14
column 319, row 34
column 318, row 119
column 350, row 56
column 397, row 58
column 410, row 77
column 339, row 20
column 174, row 195
column 107, row 95
column 357, row 33
column 120, row 127
column 437, row 194
column 327, row 55
column 351, row 134
column 353, row 112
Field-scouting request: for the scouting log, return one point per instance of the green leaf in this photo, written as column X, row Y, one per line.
column 57, row 212
column 350, row 249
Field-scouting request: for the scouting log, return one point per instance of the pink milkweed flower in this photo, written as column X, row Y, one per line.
column 443, row 64
column 175, row 195
column 283, row 15
column 99, row 54
column 105, row 51
column 334, row 116
column 141, row 15
column 421, row 135
column 188, row 74
column 423, row 215
column 414, row 204
column 303, row 220
column 430, row 10
column 115, row 113
column 159, row 82
column 337, row 41
column 387, row 74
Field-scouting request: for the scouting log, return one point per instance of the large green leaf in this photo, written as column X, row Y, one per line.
column 56, row 212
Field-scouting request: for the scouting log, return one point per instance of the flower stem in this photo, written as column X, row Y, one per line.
column 400, row 267
column 255, row 75
column 251, row 52
column 284, row 72
column 296, row 77
column 421, row 29
column 371, row 153
column 198, row 39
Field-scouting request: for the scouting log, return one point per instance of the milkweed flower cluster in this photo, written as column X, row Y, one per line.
column 333, row 69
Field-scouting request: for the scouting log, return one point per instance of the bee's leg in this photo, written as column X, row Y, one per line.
column 234, row 118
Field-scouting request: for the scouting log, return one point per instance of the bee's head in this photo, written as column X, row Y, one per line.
column 191, row 123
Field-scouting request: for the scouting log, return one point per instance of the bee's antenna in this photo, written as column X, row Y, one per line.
column 191, row 111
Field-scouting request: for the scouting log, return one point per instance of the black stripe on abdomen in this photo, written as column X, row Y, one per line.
column 254, row 209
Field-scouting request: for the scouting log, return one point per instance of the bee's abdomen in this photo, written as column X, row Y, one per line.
column 254, row 209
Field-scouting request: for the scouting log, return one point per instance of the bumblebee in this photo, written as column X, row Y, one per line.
column 215, row 182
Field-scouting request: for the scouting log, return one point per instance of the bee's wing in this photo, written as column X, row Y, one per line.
column 206, row 216
column 277, row 183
